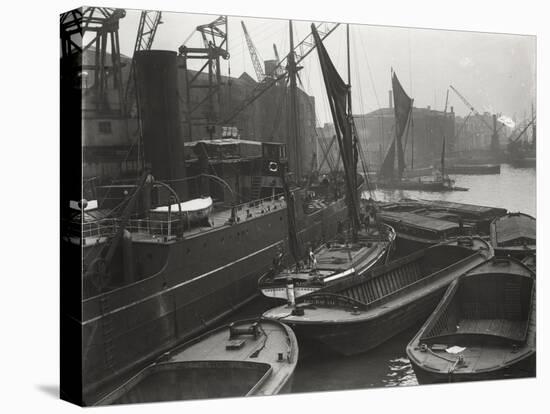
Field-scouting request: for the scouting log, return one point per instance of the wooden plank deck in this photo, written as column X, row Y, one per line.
column 502, row 327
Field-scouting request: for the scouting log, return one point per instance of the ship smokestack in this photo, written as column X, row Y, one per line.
column 157, row 88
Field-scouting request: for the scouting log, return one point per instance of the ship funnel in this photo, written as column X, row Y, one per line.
column 157, row 89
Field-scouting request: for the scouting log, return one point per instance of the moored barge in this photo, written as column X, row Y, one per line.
column 483, row 328
column 514, row 234
column 358, row 314
column 245, row 358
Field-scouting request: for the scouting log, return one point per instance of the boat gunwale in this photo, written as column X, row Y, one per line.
column 413, row 287
column 526, row 350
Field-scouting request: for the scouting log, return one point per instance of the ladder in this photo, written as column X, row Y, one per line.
column 256, row 187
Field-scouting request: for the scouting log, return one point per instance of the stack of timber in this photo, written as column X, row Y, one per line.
column 358, row 314
column 483, row 328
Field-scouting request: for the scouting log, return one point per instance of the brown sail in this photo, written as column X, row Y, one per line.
column 337, row 92
column 402, row 108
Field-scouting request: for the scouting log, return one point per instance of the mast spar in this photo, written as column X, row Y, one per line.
column 339, row 97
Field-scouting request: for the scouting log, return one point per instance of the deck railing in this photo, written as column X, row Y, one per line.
column 174, row 225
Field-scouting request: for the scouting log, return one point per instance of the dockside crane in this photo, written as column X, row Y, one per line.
column 214, row 38
column 292, row 60
column 493, row 128
column 101, row 23
column 147, row 29
column 256, row 61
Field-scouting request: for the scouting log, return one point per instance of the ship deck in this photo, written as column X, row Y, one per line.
column 219, row 217
column 339, row 256
column 274, row 339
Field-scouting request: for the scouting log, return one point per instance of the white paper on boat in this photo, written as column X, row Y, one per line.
column 196, row 204
column 455, row 349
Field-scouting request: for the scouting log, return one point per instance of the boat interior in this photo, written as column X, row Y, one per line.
column 483, row 308
column 392, row 280
column 191, row 380
column 338, row 255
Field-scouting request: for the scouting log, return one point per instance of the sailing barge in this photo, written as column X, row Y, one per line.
column 356, row 315
column 350, row 254
column 245, row 358
column 330, row 263
column 483, row 328
column 391, row 174
column 514, row 234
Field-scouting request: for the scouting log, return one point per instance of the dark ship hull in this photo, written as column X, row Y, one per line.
column 185, row 293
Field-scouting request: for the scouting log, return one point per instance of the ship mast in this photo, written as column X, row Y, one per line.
column 354, row 154
column 293, row 116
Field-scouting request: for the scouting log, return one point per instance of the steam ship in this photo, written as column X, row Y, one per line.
column 168, row 255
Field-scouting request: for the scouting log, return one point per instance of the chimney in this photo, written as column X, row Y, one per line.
column 157, row 86
column 390, row 98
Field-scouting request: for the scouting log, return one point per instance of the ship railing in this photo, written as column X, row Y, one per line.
column 100, row 228
column 254, row 208
column 176, row 226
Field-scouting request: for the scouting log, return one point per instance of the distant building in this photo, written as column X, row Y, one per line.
column 475, row 132
column 422, row 142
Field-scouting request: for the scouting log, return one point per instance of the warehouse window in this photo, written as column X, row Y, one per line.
column 105, row 127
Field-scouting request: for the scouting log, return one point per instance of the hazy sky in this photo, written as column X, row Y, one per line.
column 495, row 72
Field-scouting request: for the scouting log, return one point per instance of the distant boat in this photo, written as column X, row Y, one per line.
column 514, row 234
column 483, row 328
column 391, row 176
column 251, row 357
column 358, row 314
column 474, row 169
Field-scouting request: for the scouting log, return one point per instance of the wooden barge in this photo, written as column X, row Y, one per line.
column 358, row 314
column 483, row 328
column 251, row 357
column 477, row 217
column 419, row 231
column 514, row 234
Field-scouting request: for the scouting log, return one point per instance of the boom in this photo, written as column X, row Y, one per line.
column 253, row 55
